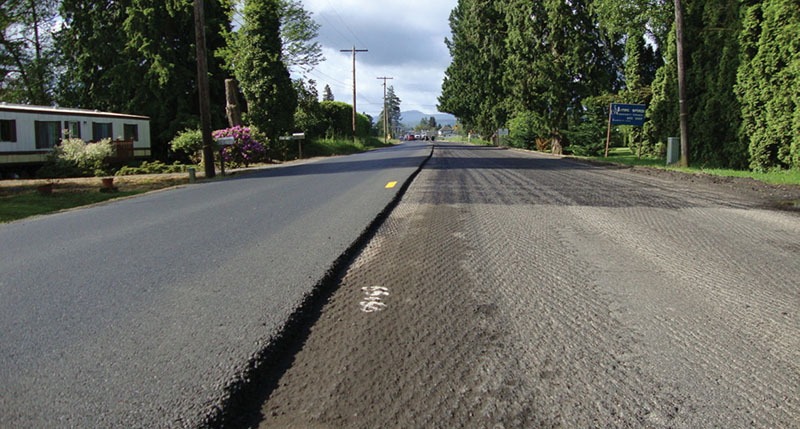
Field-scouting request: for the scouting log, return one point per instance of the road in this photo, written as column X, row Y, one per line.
column 144, row 312
column 513, row 289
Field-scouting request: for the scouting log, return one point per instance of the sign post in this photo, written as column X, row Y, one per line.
column 500, row 133
column 624, row 114
column 299, row 137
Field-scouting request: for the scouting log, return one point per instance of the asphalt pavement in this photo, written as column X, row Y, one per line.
column 143, row 312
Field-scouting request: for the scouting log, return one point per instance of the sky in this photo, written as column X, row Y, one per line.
column 405, row 39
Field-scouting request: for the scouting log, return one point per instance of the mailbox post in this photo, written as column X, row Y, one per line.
column 222, row 142
column 299, row 137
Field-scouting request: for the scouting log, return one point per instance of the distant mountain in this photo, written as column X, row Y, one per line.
column 412, row 117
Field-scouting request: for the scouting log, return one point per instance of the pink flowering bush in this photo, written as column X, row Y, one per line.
column 245, row 150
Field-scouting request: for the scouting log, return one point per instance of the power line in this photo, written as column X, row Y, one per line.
column 323, row 76
column 344, row 37
column 345, row 24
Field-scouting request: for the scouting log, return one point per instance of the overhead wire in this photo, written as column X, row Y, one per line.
column 319, row 74
column 345, row 24
column 334, row 27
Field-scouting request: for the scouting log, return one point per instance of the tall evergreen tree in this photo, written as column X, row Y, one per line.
column 715, row 114
column 711, row 63
column 768, row 82
column 556, row 56
column 27, row 57
column 97, row 66
column 473, row 85
column 327, row 95
column 138, row 56
column 393, row 109
column 639, row 75
column 260, row 69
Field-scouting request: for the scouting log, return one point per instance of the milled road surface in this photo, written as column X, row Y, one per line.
column 143, row 312
column 520, row 290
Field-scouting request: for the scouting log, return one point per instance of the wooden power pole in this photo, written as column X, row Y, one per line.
column 354, row 50
column 202, row 88
column 385, row 118
column 682, row 86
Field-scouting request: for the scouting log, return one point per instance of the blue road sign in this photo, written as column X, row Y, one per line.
column 627, row 114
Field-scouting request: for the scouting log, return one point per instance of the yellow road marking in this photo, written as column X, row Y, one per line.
column 390, row 185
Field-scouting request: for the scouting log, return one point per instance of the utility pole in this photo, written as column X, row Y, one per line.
column 354, row 50
column 202, row 88
column 385, row 118
column 682, row 86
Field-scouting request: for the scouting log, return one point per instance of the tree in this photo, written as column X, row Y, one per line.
column 327, row 95
column 27, row 57
column 653, row 18
column 711, row 61
column 308, row 115
column 768, row 82
column 556, row 56
column 260, row 69
column 95, row 59
column 639, row 75
column 423, row 125
column 473, row 85
column 298, row 30
column 393, row 109
column 105, row 44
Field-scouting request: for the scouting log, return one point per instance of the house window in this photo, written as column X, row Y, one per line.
column 8, row 130
column 101, row 130
column 73, row 129
column 47, row 134
column 131, row 132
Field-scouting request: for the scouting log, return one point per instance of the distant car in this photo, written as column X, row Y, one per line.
column 411, row 137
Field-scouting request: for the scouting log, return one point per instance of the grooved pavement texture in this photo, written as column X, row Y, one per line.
column 529, row 291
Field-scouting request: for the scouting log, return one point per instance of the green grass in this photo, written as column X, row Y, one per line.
column 475, row 141
column 24, row 205
column 623, row 155
column 329, row 147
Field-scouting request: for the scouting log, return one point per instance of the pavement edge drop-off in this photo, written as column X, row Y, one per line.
column 248, row 389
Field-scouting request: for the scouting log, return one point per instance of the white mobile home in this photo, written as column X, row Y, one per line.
column 29, row 133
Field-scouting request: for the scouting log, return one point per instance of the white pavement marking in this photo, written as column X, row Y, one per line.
column 372, row 299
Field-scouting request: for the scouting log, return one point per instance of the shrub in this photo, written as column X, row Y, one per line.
column 245, row 149
column 190, row 143
column 585, row 139
column 154, row 167
column 74, row 157
column 521, row 131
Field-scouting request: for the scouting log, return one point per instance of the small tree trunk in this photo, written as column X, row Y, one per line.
column 555, row 143
column 232, row 108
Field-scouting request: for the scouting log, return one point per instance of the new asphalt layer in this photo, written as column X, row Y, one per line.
column 144, row 312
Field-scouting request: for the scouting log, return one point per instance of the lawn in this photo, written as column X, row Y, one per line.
column 625, row 156
column 30, row 204
column 329, row 147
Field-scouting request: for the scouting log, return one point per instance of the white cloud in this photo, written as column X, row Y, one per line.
column 405, row 40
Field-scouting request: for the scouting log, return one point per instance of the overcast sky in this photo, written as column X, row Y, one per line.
column 405, row 39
